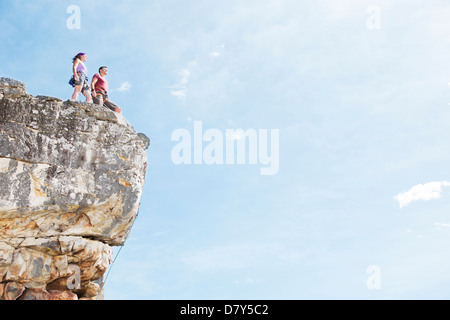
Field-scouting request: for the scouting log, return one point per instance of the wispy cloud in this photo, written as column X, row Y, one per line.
column 180, row 89
column 427, row 191
column 440, row 224
column 217, row 51
column 124, row 87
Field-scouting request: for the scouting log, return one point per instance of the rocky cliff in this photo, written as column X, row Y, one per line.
column 71, row 178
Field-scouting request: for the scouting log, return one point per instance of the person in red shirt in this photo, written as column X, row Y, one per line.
column 99, row 88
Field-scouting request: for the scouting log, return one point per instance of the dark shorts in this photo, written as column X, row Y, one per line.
column 101, row 98
column 83, row 80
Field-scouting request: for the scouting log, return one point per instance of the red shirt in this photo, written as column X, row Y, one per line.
column 101, row 83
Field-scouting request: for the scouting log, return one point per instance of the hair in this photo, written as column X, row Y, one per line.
column 78, row 56
column 102, row 68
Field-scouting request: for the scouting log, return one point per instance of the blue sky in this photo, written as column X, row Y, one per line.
column 359, row 91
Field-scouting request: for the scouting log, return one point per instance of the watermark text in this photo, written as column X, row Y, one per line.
column 235, row 146
column 74, row 20
column 374, row 280
column 374, row 20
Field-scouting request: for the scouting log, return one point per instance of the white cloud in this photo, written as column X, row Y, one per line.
column 180, row 94
column 217, row 51
column 184, row 76
column 247, row 281
column 124, row 87
column 440, row 224
column 427, row 191
column 180, row 89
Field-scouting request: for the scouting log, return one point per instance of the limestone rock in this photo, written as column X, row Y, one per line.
column 71, row 179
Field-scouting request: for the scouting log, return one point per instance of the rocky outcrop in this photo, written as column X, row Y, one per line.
column 71, row 178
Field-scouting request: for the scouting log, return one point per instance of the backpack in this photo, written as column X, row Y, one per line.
column 72, row 82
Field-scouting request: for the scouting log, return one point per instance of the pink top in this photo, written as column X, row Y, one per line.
column 101, row 83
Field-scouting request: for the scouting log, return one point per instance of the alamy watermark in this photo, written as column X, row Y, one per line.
column 234, row 146
column 374, row 280
column 74, row 281
column 374, row 20
column 74, row 20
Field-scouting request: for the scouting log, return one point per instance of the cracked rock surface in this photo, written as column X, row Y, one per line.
column 71, row 179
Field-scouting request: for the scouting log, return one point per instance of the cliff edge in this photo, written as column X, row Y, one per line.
column 71, row 179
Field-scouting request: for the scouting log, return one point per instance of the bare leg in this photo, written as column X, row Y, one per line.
column 76, row 92
column 87, row 94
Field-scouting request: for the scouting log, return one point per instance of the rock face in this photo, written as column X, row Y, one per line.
column 71, row 178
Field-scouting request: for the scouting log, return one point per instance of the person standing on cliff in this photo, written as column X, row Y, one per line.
column 99, row 88
column 80, row 80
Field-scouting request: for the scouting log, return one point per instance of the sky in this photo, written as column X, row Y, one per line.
column 345, row 104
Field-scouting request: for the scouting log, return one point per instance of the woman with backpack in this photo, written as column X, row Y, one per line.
column 79, row 79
